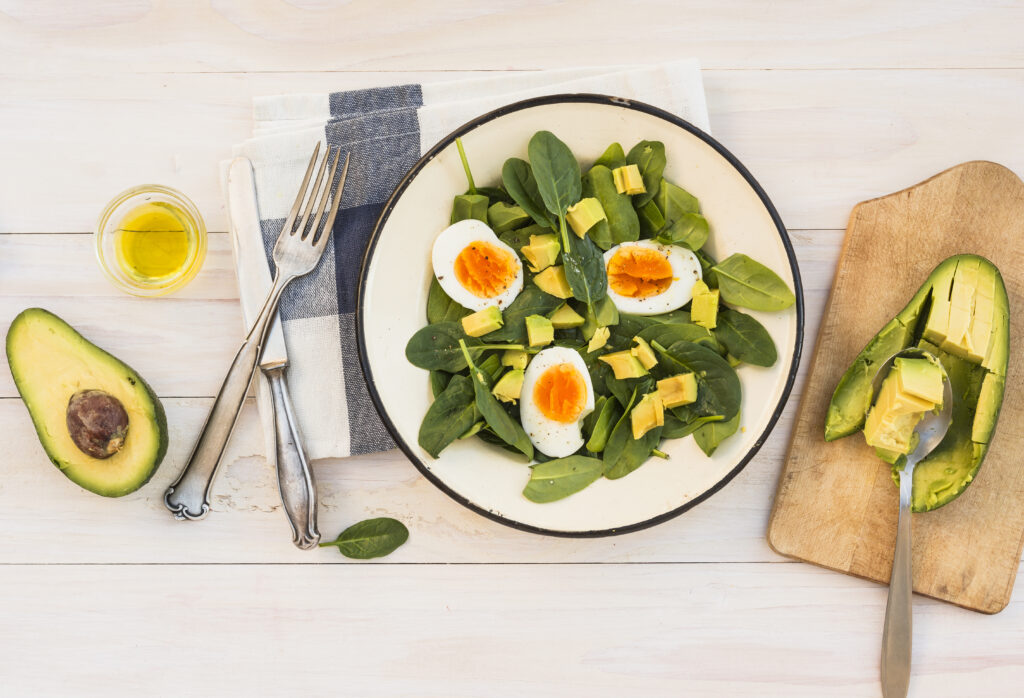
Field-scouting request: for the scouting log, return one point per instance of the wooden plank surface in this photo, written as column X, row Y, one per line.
column 837, row 505
column 828, row 103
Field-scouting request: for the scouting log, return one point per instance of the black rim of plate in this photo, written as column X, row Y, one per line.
column 621, row 103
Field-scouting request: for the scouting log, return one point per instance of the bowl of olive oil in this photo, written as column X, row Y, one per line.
column 150, row 240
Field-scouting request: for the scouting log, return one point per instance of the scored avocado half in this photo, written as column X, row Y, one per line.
column 97, row 419
column 960, row 315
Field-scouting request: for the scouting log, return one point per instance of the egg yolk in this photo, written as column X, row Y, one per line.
column 561, row 393
column 639, row 272
column 485, row 270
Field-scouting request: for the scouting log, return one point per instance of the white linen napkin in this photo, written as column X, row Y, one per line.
column 386, row 129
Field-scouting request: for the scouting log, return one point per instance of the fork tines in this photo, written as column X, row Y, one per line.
column 324, row 190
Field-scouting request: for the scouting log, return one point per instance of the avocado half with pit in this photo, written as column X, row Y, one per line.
column 960, row 315
column 97, row 419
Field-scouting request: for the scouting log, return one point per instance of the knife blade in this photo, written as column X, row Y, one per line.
column 284, row 446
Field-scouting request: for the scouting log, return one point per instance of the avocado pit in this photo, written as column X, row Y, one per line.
column 97, row 423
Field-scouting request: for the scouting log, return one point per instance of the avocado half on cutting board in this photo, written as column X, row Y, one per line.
column 97, row 419
column 961, row 316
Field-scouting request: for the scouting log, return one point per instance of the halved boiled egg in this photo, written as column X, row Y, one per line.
column 474, row 267
column 557, row 394
column 648, row 278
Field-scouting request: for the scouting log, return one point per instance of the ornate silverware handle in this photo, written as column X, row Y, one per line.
column 898, row 631
column 294, row 476
column 189, row 496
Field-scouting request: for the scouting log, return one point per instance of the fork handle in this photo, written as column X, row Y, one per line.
column 294, row 476
column 189, row 496
column 898, row 630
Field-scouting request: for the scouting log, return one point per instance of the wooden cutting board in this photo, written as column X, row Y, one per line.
column 836, row 505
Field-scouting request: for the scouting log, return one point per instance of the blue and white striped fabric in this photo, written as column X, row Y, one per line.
column 386, row 129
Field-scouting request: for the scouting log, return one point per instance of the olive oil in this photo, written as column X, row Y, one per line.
column 154, row 241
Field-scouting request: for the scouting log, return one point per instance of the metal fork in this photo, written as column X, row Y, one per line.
column 296, row 253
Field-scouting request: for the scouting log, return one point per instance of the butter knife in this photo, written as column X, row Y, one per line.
column 294, row 476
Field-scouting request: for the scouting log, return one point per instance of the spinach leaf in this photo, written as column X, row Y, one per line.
column 370, row 538
column 465, row 166
column 436, row 347
column 613, row 156
column 531, row 301
column 745, row 338
column 634, row 452
column 440, row 307
column 651, row 220
column 621, row 432
column 449, row 416
column 710, row 435
column 468, row 206
column 509, row 430
column 520, row 237
column 517, row 176
column 689, row 230
column 676, row 428
column 495, row 194
column 503, row 217
column 668, row 334
column 622, row 224
column 556, row 171
column 750, row 284
column 561, row 477
column 607, row 417
column 649, row 157
column 707, row 263
column 623, row 388
column 584, row 268
column 718, row 386
column 438, row 382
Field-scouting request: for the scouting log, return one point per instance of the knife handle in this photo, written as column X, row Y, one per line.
column 189, row 496
column 294, row 476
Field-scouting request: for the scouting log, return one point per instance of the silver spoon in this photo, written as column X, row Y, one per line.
column 898, row 630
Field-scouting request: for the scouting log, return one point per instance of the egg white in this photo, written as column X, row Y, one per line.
column 685, row 272
column 555, row 439
column 447, row 247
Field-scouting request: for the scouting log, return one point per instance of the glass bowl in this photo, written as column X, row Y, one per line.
column 108, row 230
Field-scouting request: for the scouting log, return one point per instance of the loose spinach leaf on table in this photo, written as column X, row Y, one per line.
column 440, row 307
column 718, row 386
column 561, row 477
column 449, row 416
column 749, row 284
column 520, row 183
column 508, row 429
column 649, row 157
column 370, row 538
column 710, row 435
column 745, row 338
column 531, row 301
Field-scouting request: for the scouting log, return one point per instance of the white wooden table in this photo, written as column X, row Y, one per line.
column 827, row 103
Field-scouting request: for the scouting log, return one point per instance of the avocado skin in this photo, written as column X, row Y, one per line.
column 159, row 415
column 946, row 472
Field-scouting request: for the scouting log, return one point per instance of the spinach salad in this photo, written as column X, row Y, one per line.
column 575, row 319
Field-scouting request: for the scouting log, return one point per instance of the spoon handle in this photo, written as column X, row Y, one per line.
column 898, row 632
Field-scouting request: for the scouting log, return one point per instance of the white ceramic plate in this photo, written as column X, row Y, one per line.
column 396, row 274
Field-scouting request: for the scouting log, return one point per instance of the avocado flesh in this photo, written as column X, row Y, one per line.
column 51, row 362
column 977, row 387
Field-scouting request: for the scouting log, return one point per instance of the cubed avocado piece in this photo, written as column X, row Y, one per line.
column 938, row 315
column 984, row 312
column 565, row 318
column 600, row 338
column 704, row 307
column 584, row 215
column 677, row 390
column 628, row 180
column 624, row 364
column 515, row 358
column 483, row 321
column 920, row 378
column 644, row 353
column 539, row 330
column 647, row 414
column 503, row 217
column 552, row 280
column 887, row 428
column 961, row 309
column 542, row 251
column 98, row 421
column 509, row 386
